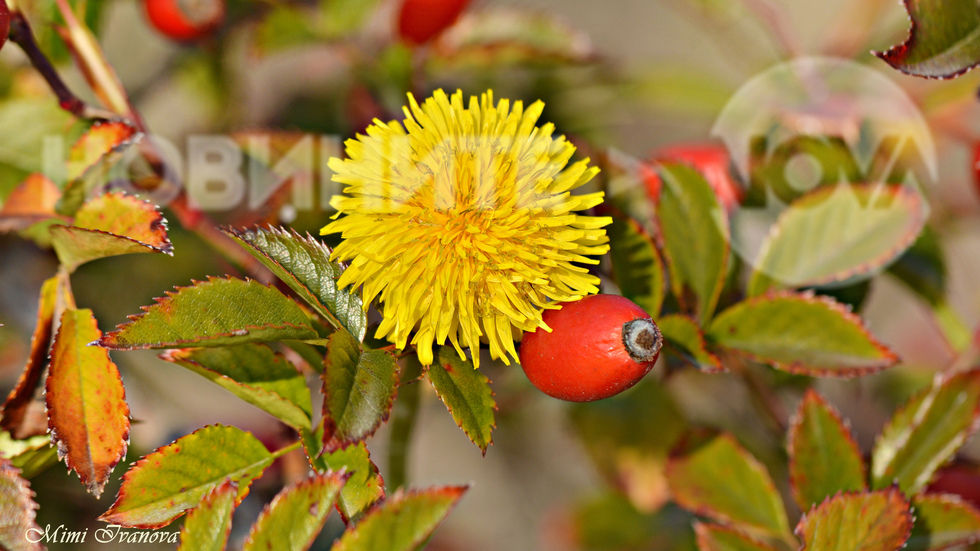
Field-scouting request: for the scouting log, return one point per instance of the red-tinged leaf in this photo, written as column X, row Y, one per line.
column 402, row 522
column 926, row 432
column 216, row 312
column 294, row 518
column 637, row 266
column 824, row 457
column 364, row 488
column 715, row 537
column 695, row 236
column 801, row 333
column 16, row 415
column 838, row 232
column 18, row 530
column 505, row 35
column 30, row 202
column 91, row 159
column 87, row 411
column 861, row 521
column 466, row 393
column 942, row 521
column 359, row 388
column 164, row 484
column 111, row 225
column 684, row 339
column 207, row 526
column 255, row 373
column 304, row 264
column 943, row 42
column 722, row 481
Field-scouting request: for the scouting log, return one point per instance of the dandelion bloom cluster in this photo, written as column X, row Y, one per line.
column 461, row 223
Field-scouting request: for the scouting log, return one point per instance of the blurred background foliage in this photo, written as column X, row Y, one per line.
column 631, row 75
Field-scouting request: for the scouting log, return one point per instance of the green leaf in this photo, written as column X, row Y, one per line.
column 364, row 488
column 801, row 333
column 942, row 521
column 294, row 518
column 17, row 511
column 31, row 456
column 925, row 432
column 491, row 37
column 110, row 225
column 865, row 521
column 835, row 233
column 88, row 416
column 722, row 481
column 304, row 264
column 715, row 537
column 25, row 123
column 255, row 373
column 359, row 388
column 684, row 338
column 164, row 484
column 695, row 235
column 944, row 40
column 402, row 522
column 824, row 458
column 466, row 393
column 628, row 437
column 636, row 264
column 216, row 312
column 207, row 526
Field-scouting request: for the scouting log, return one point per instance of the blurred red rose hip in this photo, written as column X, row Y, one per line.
column 419, row 21
column 185, row 20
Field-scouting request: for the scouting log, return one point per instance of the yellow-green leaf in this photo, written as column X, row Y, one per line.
column 824, row 458
column 801, row 333
column 207, row 526
column 722, row 481
column 636, row 264
column 942, row 521
column 466, row 393
column 255, row 373
column 296, row 515
column 863, row 521
column 402, row 522
column 716, row 537
column 164, row 484
column 216, row 312
column 363, row 488
column 925, row 432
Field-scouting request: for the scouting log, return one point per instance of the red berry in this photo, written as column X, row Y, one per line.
column 976, row 166
column 185, row 20
column 712, row 161
column 4, row 22
column 419, row 21
column 598, row 347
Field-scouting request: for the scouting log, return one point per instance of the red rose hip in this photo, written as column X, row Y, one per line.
column 4, row 22
column 598, row 347
column 185, row 20
column 419, row 21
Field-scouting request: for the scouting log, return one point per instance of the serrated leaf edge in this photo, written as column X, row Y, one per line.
column 889, row 56
column 891, row 492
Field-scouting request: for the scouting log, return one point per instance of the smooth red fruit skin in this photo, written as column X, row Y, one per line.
column 419, row 21
column 711, row 160
column 4, row 23
column 584, row 358
column 976, row 166
column 185, row 20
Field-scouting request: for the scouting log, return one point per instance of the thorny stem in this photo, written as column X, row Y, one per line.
column 403, row 417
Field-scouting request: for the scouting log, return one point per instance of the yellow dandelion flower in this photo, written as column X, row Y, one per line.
column 461, row 223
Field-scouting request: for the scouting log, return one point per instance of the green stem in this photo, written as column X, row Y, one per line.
column 403, row 416
column 286, row 449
